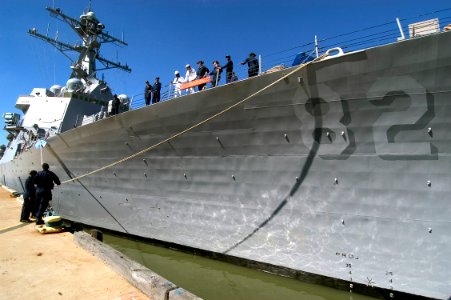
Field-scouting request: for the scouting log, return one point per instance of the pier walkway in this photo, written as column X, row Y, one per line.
column 51, row 266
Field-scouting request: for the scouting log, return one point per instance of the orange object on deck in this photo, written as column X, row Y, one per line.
column 195, row 83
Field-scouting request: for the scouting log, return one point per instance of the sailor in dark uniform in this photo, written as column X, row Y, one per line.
column 216, row 74
column 156, row 89
column 228, row 68
column 252, row 63
column 148, row 93
column 202, row 72
column 116, row 103
column 44, row 181
column 29, row 198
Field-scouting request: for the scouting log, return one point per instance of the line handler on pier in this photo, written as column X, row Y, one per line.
column 44, row 181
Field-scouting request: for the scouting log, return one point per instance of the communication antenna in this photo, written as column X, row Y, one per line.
column 92, row 34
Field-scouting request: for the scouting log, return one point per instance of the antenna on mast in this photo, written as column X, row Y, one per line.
column 92, row 33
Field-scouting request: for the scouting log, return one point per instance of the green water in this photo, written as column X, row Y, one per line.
column 215, row 280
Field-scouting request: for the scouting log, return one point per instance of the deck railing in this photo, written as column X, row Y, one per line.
column 390, row 32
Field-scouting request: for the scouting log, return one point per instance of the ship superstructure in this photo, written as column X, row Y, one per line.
column 47, row 112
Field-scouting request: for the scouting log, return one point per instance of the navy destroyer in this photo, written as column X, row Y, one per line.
column 334, row 171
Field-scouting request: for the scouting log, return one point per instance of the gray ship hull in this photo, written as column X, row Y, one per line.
column 341, row 170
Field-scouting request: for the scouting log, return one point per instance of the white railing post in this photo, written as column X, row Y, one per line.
column 403, row 37
column 130, row 107
column 259, row 64
column 316, row 46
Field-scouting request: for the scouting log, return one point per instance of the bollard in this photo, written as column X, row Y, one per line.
column 97, row 234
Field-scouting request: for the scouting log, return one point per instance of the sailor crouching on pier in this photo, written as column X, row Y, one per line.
column 44, row 181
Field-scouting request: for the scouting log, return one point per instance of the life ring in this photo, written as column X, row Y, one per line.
column 330, row 53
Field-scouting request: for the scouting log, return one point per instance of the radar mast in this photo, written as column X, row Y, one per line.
column 91, row 31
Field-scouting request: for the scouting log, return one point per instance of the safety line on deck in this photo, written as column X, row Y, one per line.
column 198, row 124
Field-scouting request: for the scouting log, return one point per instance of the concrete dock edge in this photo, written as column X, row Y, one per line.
column 150, row 283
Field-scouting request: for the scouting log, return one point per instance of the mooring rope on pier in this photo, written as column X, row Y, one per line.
column 197, row 124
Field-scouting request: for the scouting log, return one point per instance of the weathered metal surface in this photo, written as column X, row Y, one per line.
column 341, row 169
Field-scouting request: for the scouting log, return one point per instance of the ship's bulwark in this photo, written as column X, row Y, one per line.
column 342, row 169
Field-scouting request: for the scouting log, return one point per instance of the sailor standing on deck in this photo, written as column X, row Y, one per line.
column 229, row 69
column 44, row 181
column 216, row 74
column 148, row 93
column 202, row 72
column 156, row 90
column 190, row 76
column 252, row 64
column 177, row 82
column 116, row 104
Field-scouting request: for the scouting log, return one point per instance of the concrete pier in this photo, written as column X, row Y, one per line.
column 51, row 266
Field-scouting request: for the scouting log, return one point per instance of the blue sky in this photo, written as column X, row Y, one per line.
column 163, row 36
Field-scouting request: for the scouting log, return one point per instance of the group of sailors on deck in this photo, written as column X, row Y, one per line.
column 202, row 76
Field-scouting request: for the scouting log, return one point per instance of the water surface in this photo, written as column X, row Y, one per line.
column 215, row 280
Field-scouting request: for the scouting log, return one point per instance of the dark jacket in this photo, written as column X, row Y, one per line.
column 30, row 190
column 252, row 64
column 214, row 73
column 147, row 91
column 202, row 71
column 156, row 87
column 116, row 101
column 228, row 67
column 45, row 180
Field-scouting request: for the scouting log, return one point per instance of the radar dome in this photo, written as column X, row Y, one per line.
column 74, row 84
column 91, row 15
column 55, row 89
column 124, row 98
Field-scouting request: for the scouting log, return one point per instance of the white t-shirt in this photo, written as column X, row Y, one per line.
column 190, row 75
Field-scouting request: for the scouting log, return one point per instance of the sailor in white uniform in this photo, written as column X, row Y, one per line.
column 190, row 76
column 177, row 82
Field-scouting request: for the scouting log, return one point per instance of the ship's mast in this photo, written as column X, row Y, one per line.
column 90, row 30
